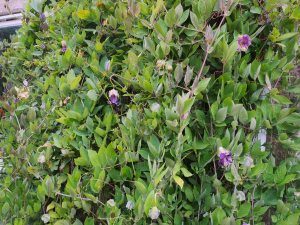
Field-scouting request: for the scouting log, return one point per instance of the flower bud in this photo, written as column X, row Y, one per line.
column 111, row 202
column 209, row 35
column 63, row 46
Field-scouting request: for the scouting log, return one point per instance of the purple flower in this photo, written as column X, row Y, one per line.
column 225, row 157
column 244, row 41
column 245, row 223
column 113, row 96
column 42, row 17
column 63, row 46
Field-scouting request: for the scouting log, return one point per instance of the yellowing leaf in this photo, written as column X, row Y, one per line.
column 178, row 181
column 83, row 14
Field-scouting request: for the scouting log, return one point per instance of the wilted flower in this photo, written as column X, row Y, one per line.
column 44, row 26
column 45, row 218
column 104, row 22
column 160, row 63
column 63, row 46
column 155, row 107
column 244, row 41
column 111, row 202
column 154, row 213
column 41, row 158
column 130, row 205
column 113, row 96
column 107, row 65
column 225, row 157
column 248, row 162
column 169, row 67
column 22, row 93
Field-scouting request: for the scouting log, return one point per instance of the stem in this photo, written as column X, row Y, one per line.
column 196, row 81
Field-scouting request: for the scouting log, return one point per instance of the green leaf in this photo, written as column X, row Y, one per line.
column 243, row 115
column 255, row 10
column 286, row 36
column 93, row 157
column 244, row 210
column 197, row 23
column 92, row 94
column 185, row 172
column 149, row 202
column 218, row 215
column 89, row 221
column 149, row 45
column 296, row 13
column 62, row 222
column 221, row 115
column 178, row 73
column 75, row 83
column 154, row 145
column 140, row 186
column 280, row 173
column 5, row 208
column 170, row 18
column 202, row 85
column 281, row 99
column 37, row 5
column 161, row 28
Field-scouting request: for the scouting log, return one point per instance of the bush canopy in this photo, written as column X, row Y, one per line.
column 152, row 112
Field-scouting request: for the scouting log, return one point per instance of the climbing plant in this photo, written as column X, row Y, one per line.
column 152, row 112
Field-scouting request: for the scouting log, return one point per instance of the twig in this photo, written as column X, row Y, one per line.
column 196, row 81
column 252, row 205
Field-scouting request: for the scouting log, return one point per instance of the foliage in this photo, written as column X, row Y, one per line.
column 73, row 155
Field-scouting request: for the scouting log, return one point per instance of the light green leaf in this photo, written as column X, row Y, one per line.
column 185, row 172
column 178, row 181
column 221, row 115
column 92, row 95
column 244, row 210
column 286, row 36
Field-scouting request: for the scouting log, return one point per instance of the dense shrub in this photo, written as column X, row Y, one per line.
column 139, row 112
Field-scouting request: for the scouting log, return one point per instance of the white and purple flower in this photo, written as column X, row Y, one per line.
column 244, row 41
column 113, row 96
column 154, row 213
column 129, row 205
column 225, row 157
column 63, row 46
column 107, row 65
